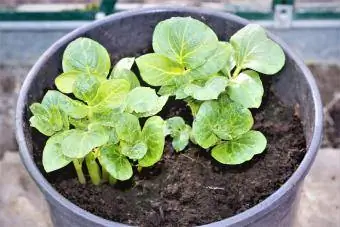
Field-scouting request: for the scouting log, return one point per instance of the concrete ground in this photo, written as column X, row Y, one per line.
column 22, row 204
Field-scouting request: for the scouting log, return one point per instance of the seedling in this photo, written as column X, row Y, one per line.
column 219, row 80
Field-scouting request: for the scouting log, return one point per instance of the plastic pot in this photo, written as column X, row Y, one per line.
column 128, row 33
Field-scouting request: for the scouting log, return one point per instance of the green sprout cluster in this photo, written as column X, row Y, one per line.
column 218, row 80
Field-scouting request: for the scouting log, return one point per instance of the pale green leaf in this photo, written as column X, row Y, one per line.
column 158, row 70
column 226, row 70
column 86, row 55
column 179, row 131
column 241, row 149
column 134, row 151
column 222, row 119
column 85, row 87
column 79, row 143
column 215, row 63
column 64, row 81
column 246, row 89
column 53, row 157
column 211, row 90
column 116, row 164
column 71, row 107
column 110, row 94
column 254, row 50
column 153, row 136
column 184, row 40
column 193, row 104
column 47, row 120
column 128, row 128
column 122, row 70
column 144, row 101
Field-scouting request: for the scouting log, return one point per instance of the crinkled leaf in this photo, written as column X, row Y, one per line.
column 158, row 70
column 79, row 123
column 122, row 71
column 246, row 89
column 184, row 40
column 109, row 117
column 110, row 94
column 222, row 119
column 180, row 141
column 116, row 164
column 179, row 131
column 215, row 63
column 241, row 149
column 211, row 90
column 135, row 151
column 79, row 143
column 85, row 87
column 53, row 157
column 64, row 81
column 86, row 55
column 71, row 107
column 253, row 50
column 144, row 101
column 153, row 136
column 47, row 120
column 128, row 128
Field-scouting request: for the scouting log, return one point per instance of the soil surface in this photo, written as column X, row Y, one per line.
column 170, row 193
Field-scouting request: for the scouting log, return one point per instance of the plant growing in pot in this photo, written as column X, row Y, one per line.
column 196, row 86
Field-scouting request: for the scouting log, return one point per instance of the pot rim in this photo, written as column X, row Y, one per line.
column 252, row 213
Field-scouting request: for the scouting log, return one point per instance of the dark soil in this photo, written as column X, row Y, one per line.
column 191, row 188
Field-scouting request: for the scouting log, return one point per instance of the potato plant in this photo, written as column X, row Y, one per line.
column 100, row 126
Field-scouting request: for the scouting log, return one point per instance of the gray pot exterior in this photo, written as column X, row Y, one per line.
column 128, row 33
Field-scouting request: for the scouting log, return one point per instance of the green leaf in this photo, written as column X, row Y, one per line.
column 122, row 70
column 72, row 108
column 246, row 89
column 108, row 117
column 184, row 40
column 211, row 90
column 128, row 128
column 144, row 102
column 79, row 123
column 158, row 70
column 153, row 136
column 255, row 51
column 79, row 143
column 179, row 131
column 85, row 87
column 116, row 164
column 64, row 81
column 53, row 157
column 226, row 70
column 47, row 120
column 215, row 63
column 241, row 149
column 222, row 119
column 107, row 130
column 86, row 55
column 135, row 151
column 193, row 104
column 111, row 94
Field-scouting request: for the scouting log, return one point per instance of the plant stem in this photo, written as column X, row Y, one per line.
column 112, row 180
column 93, row 168
column 78, row 166
column 237, row 71
column 105, row 175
